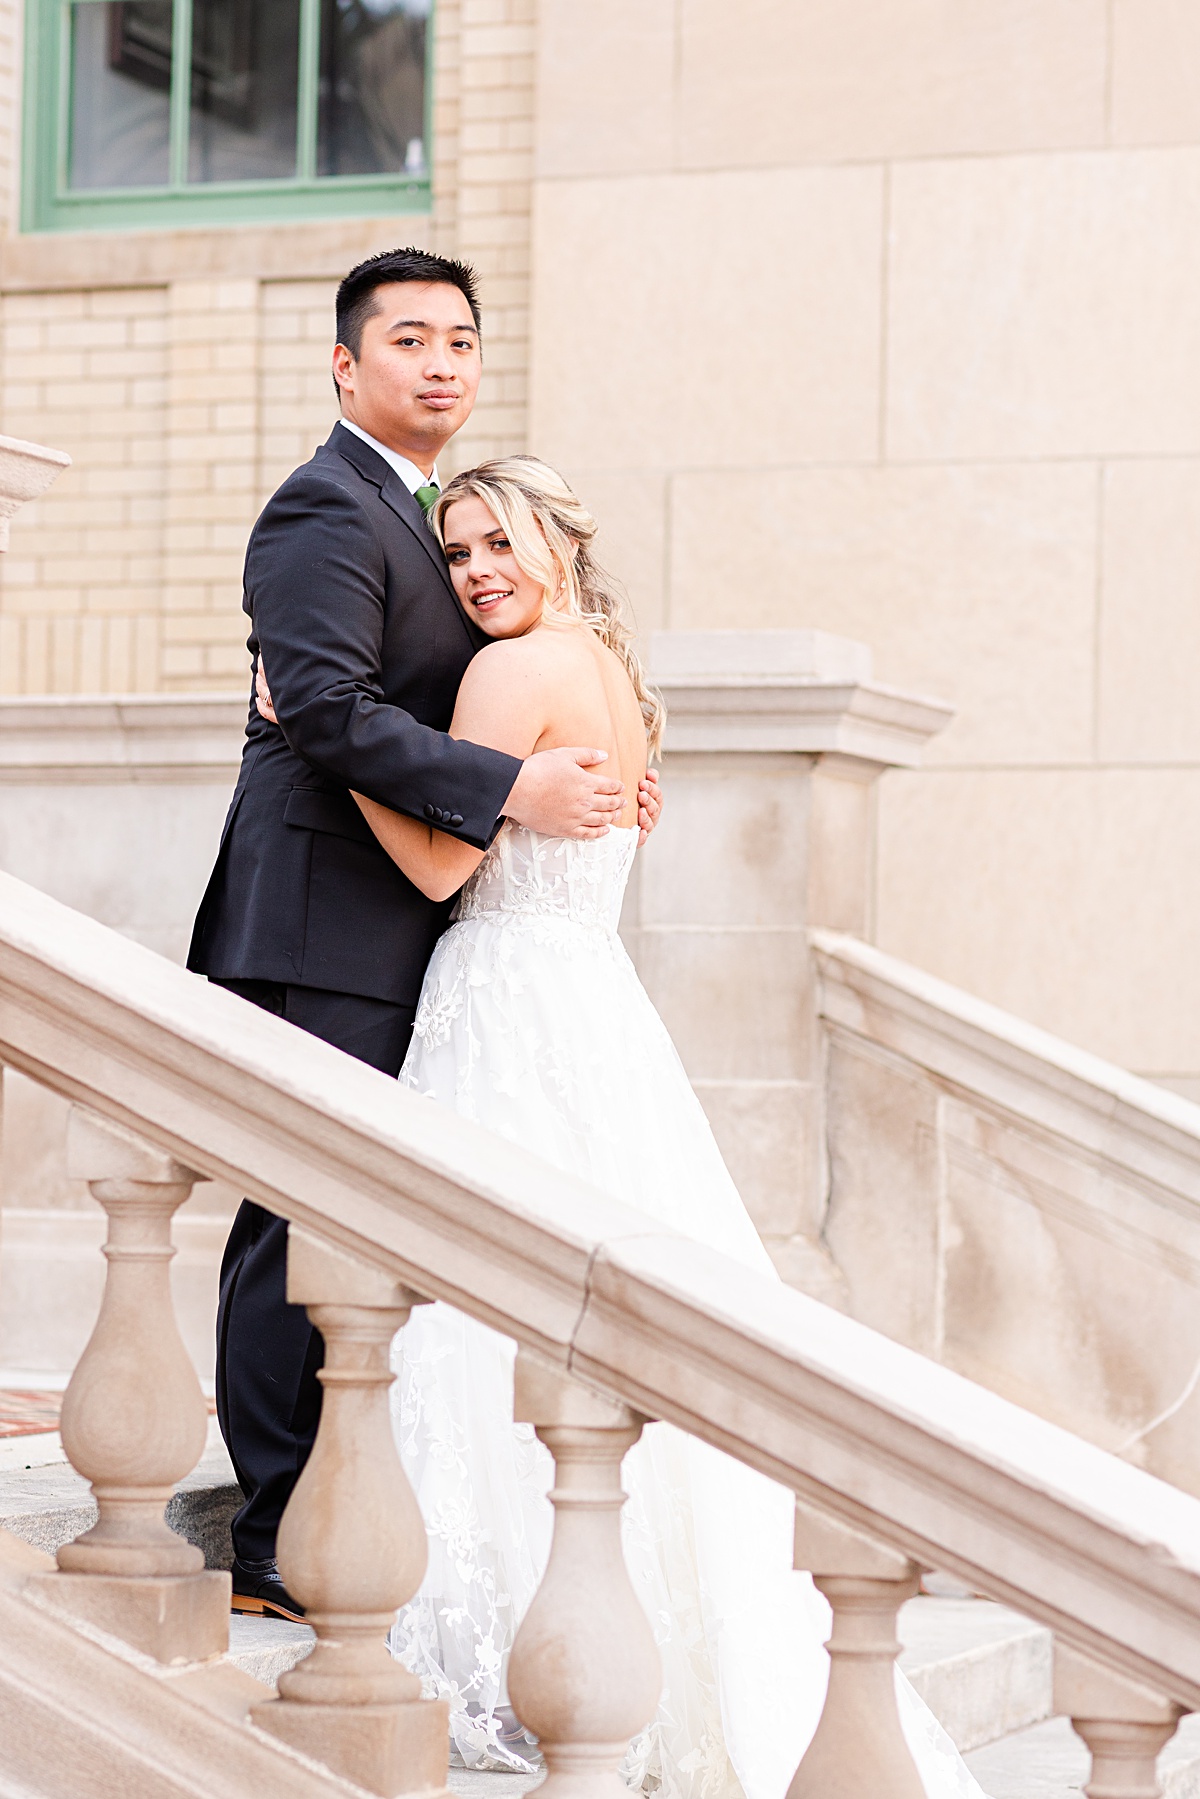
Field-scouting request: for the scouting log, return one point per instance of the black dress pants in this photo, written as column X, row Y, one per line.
column 268, row 1354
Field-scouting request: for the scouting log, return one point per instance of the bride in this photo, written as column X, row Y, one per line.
column 533, row 1023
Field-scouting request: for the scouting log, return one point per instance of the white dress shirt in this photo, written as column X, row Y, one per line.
column 408, row 472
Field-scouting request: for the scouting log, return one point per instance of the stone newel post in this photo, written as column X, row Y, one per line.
column 775, row 744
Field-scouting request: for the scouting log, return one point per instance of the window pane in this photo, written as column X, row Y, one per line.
column 372, row 96
column 245, row 61
column 120, row 93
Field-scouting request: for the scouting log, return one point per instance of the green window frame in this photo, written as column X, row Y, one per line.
column 49, row 204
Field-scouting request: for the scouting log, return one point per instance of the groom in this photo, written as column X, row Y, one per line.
column 353, row 614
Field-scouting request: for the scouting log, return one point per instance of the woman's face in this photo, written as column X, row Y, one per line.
column 498, row 595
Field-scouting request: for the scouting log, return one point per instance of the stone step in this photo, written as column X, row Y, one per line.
column 267, row 1647
column 480, row 1783
column 1048, row 1761
column 982, row 1670
column 48, row 1505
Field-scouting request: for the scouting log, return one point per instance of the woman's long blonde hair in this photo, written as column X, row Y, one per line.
column 551, row 535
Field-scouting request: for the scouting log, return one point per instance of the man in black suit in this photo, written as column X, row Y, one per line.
column 353, row 615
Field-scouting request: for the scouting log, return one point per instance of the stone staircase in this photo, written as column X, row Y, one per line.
column 984, row 1670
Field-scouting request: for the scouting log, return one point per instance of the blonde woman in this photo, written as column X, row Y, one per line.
column 533, row 1023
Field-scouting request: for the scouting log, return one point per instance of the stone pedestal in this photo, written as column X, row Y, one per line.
column 388, row 1749
column 173, row 1617
column 775, row 743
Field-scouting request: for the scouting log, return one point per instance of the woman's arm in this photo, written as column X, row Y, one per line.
column 502, row 706
column 436, row 863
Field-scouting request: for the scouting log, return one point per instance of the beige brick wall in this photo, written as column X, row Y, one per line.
column 78, row 609
column 187, row 395
column 490, row 119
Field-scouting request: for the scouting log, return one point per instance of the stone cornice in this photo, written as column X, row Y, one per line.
column 798, row 692
column 136, row 737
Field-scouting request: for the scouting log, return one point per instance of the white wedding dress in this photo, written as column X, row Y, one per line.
column 533, row 1023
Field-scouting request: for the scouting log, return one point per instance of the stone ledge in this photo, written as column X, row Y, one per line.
column 129, row 737
column 312, row 249
column 798, row 692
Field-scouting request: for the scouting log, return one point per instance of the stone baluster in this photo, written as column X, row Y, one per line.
column 1124, row 1724
column 352, row 1545
column 134, row 1420
column 584, row 1674
column 859, row 1745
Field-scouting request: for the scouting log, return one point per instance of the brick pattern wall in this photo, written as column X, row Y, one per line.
column 185, row 402
column 81, row 605
column 494, row 112
column 211, row 455
column 296, row 402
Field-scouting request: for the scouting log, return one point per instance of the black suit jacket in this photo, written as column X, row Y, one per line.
column 364, row 644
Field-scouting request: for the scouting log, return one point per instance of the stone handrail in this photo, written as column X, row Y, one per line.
column 1017, row 1065
column 992, row 1132
column 897, row 1462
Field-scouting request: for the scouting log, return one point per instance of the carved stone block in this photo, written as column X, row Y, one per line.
column 391, row 1750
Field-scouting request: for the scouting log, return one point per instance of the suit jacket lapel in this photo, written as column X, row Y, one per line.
column 394, row 495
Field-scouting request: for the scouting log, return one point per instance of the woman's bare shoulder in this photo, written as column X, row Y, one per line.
column 539, row 653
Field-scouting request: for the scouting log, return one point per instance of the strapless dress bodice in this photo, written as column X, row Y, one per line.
column 526, row 875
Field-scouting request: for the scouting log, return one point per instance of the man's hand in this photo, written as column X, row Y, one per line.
column 562, row 793
column 649, row 804
column 262, row 695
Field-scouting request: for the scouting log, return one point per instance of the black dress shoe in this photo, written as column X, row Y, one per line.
column 259, row 1591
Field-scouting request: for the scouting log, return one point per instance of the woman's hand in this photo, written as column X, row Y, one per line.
column 262, row 696
column 649, row 801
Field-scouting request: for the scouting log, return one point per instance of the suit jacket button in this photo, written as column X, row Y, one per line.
column 456, row 818
column 441, row 816
column 431, row 812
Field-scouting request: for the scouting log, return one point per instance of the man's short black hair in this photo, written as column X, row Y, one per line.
column 356, row 295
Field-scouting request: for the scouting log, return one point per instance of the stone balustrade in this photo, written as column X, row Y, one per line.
column 898, row 1464
column 1028, row 1182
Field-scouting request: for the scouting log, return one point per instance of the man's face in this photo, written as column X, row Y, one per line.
column 416, row 375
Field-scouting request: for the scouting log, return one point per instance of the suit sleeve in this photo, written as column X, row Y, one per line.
column 315, row 593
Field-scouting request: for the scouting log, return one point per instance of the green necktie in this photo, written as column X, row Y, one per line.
column 425, row 496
